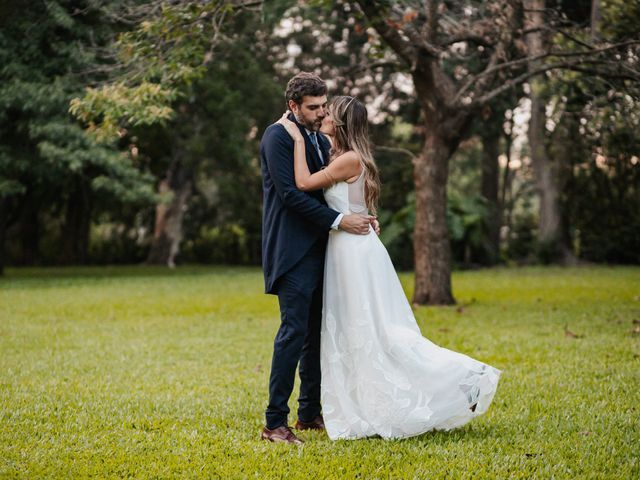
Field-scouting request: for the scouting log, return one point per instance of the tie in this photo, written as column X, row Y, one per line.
column 314, row 139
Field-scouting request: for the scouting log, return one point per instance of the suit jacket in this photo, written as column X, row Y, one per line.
column 292, row 220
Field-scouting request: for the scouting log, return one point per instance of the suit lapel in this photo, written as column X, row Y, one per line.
column 313, row 160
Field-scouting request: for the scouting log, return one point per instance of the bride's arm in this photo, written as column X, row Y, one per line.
column 341, row 168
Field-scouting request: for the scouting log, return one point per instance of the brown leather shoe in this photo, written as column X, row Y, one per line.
column 316, row 424
column 280, row 434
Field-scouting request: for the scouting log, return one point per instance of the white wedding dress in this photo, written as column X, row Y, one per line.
column 380, row 376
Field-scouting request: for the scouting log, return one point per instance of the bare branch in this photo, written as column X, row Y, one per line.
column 572, row 37
column 384, row 148
column 407, row 27
column 576, row 66
column 372, row 66
column 432, row 20
column 526, row 60
column 250, row 5
column 499, row 52
column 481, row 32
column 467, row 37
column 376, row 16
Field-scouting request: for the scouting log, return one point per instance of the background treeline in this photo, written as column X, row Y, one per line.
column 188, row 189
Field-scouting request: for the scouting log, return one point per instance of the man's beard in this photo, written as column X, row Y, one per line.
column 314, row 127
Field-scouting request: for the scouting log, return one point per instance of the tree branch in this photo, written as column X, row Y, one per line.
column 384, row 148
column 415, row 37
column 432, row 20
column 248, row 5
column 467, row 37
column 524, row 61
column 402, row 47
column 577, row 66
column 481, row 32
column 499, row 53
column 420, row 42
column 374, row 65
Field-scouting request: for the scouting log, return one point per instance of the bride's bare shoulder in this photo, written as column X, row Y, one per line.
column 350, row 158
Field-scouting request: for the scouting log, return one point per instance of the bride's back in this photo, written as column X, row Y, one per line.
column 347, row 197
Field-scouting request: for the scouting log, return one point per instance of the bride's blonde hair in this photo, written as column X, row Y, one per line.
column 352, row 133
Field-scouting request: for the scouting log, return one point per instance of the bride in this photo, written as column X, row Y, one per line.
column 380, row 376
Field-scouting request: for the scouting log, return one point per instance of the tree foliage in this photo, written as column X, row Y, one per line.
column 155, row 62
column 44, row 152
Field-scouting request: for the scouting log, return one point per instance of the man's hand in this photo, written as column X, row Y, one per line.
column 376, row 225
column 356, row 224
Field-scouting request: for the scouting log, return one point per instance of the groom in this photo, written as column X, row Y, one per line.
column 295, row 227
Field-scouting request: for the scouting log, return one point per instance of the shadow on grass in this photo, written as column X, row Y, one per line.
column 471, row 434
column 244, row 422
column 474, row 433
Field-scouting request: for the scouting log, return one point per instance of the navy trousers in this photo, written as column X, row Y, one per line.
column 298, row 339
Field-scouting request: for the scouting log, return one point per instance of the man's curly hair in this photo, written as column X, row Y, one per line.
column 304, row 84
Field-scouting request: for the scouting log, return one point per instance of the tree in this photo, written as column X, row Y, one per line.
column 489, row 127
column 47, row 162
column 436, row 37
column 552, row 242
column 211, row 171
column 591, row 136
column 156, row 66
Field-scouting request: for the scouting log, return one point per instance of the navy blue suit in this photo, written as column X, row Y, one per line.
column 295, row 227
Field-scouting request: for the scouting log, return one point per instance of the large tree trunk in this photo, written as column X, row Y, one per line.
column 489, row 188
column 168, row 226
column 550, row 219
column 432, row 251
column 443, row 131
column 77, row 223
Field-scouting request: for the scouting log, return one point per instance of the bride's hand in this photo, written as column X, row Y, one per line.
column 291, row 128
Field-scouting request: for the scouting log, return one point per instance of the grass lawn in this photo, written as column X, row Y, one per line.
column 144, row 372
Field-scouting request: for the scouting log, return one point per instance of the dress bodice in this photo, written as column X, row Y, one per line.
column 347, row 197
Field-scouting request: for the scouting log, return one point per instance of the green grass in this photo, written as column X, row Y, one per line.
column 152, row 373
